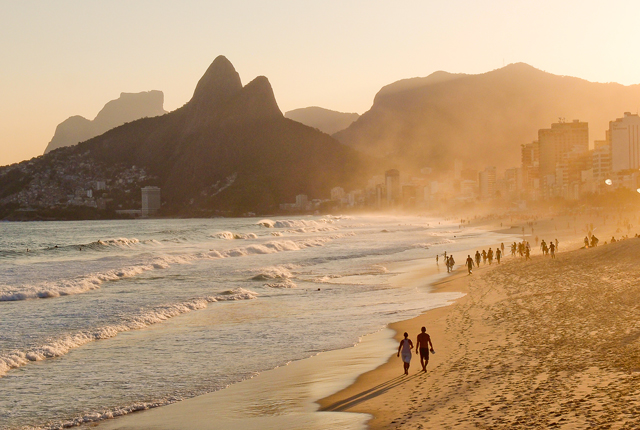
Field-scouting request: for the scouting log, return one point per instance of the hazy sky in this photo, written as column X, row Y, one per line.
column 62, row 58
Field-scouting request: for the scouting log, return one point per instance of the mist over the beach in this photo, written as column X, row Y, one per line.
column 222, row 216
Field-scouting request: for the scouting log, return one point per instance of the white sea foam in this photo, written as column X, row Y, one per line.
column 295, row 223
column 61, row 346
column 227, row 235
column 83, row 284
column 268, row 273
column 285, row 284
column 109, row 414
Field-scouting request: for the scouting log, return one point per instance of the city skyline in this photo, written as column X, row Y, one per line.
column 71, row 58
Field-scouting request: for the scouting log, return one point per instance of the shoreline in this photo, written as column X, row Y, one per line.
column 293, row 389
column 422, row 273
column 459, row 332
column 369, row 386
column 330, row 400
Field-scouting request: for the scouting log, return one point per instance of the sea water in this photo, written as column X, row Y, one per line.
column 94, row 315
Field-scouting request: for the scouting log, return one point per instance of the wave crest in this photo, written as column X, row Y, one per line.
column 60, row 347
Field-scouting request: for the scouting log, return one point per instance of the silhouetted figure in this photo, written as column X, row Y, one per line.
column 469, row 263
column 423, row 345
column 484, row 257
column 405, row 347
column 552, row 249
column 478, row 256
column 490, row 256
column 527, row 254
column 498, row 255
column 586, row 242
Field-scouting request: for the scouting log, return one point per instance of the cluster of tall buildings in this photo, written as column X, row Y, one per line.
column 561, row 164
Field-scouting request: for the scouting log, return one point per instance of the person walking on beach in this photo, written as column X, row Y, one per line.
column 552, row 249
column 424, row 345
column 469, row 264
column 451, row 263
column 484, row 257
column 586, row 242
column 502, row 247
column 405, row 348
column 478, row 258
column 490, row 256
column 498, row 255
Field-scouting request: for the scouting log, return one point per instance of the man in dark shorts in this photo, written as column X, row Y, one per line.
column 423, row 345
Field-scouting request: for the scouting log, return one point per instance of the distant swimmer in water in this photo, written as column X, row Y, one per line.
column 405, row 348
column 423, row 345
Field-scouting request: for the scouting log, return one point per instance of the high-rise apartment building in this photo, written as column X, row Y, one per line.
column 392, row 181
column 150, row 201
column 558, row 143
column 487, row 180
column 624, row 135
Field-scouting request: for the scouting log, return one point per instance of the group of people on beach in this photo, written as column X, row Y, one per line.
column 448, row 261
column 423, row 347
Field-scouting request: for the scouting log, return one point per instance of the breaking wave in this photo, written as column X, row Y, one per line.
column 269, row 273
column 61, row 346
column 85, row 283
column 296, row 223
column 287, row 283
column 227, row 235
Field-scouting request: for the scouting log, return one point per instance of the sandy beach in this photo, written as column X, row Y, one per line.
column 546, row 343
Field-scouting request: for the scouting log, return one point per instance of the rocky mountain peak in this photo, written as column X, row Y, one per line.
column 219, row 83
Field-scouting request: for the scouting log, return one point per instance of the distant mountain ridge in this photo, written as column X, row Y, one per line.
column 482, row 119
column 128, row 107
column 326, row 120
column 230, row 148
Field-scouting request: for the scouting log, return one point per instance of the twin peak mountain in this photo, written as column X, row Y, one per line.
column 230, row 149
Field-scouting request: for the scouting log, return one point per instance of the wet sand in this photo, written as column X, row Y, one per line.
column 523, row 349
column 546, row 343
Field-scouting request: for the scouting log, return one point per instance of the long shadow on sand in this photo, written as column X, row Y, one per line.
column 370, row 393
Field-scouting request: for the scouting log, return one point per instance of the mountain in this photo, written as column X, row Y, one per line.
column 481, row 119
column 228, row 149
column 128, row 107
column 325, row 120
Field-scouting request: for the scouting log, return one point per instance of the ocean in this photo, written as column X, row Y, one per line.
column 94, row 315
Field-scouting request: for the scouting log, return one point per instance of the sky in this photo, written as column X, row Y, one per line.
column 70, row 57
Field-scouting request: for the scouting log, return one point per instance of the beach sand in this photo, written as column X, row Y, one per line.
column 547, row 343
column 538, row 344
